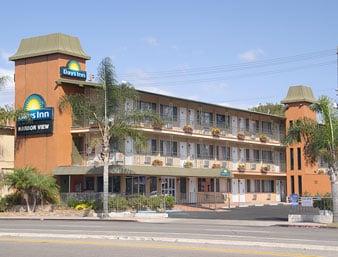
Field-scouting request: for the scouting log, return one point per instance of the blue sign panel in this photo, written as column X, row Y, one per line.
column 73, row 70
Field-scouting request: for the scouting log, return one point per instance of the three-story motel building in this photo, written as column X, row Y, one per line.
column 203, row 152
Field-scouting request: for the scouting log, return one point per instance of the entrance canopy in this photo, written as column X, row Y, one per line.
column 140, row 170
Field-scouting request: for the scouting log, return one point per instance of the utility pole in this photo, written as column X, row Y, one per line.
column 106, row 156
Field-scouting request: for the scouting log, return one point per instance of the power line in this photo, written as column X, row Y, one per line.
column 213, row 79
column 236, row 66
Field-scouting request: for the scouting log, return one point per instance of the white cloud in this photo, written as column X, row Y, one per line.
column 251, row 55
column 151, row 41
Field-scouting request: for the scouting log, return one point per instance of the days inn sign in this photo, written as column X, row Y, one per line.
column 73, row 70
column 39, row 120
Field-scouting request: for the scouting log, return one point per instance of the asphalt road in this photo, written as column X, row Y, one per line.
column 175, row 238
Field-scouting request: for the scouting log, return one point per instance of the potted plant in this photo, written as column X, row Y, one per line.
column 157, row 124
column 263, row 138
column 187, row 164
column 265, row 168
column 157, row 163
column 216, row 166
column 187, row 129
column 215, row 132
column 241, row 136
column 241, row 167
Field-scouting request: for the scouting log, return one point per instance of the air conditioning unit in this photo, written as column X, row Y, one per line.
column 253, row 166
column 147, row 160
column 169, row 161
column 206, row 164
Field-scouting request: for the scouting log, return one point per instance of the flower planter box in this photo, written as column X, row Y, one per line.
column 215, row 132
column 265, row 169
column 187, row 164
column 157, row 163
column 263, row 138
column 187, row 129
column 241, row 167
column 241, row 136
column 216, row 166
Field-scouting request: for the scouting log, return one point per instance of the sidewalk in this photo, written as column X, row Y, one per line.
column 252, row 223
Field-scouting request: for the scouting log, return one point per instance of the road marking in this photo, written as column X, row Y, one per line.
column 237, row 230
column 172, row 233
column 157, row 246
column 178, row 240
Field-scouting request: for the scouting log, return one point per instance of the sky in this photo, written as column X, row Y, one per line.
column 235, row 53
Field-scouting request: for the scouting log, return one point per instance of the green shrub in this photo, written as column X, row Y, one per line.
column 138, row 202
column 3, row 204
column 9, row 201
column 118, row 203
column 323, row 204
column 169, row 201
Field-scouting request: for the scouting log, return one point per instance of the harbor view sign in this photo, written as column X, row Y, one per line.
column 39, row 119
column 73, row 70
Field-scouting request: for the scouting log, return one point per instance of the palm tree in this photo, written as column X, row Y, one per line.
column 321, row 141
column 32, row 186
column 109, row 110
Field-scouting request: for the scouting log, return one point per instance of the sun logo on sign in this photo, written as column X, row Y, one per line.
column 34, row 102
column 73, row 65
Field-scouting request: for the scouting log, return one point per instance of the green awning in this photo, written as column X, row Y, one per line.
column 141, row 170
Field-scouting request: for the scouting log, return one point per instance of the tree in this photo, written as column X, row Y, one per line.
column 320, row 141
column 8, row 113
column 32, row 186
column 269, row 108
column 108, row 109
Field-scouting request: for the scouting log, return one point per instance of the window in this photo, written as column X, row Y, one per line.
column 168, row 148
column 267, row 156
column 267, row 127
column 153, row 184
column 226, row 153
column 89, row 183
column 300, row 185
column 292, row 184
column 299, row 158
column 248, row 186
column 292, row 161
column 205, row 151
column 220, row 121
column 147, row 106
column 257, row 186
column 247, row 124
column 257, row 126
column 213, row 183
column 256, row 155
column 201, row 184
column 268, row 186
column 183, row 185
column 205, row 118
column 247, row 155
column 153, row 146
column 114, row 184
column 168, row 112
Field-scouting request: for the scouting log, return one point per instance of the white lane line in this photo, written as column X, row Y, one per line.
column 177, row 233
column 238, row 230
column 177, row 240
